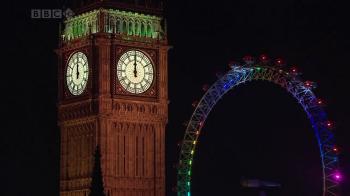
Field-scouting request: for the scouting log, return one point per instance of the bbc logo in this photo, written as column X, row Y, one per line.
column 51, row 13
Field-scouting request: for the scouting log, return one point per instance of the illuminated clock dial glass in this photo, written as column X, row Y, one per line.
column 77, row 73
column 135, row 71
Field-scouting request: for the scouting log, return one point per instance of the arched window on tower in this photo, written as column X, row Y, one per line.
column 143, row 29
column 125, row 28
column 138, row 28
column 150, row 31
column 112, row 24
column 118, row 26
column 131, row 29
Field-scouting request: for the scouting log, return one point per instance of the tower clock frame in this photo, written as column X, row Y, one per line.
column 152, row 92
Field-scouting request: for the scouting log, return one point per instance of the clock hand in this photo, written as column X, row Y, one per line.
column 135, row 71
column 77, row 70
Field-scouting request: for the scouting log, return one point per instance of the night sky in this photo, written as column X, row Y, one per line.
column 257, row 130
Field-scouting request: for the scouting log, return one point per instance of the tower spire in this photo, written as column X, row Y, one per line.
column 143, row 6
column 97, row 188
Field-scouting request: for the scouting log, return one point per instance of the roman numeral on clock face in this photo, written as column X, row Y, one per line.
column 135, row 71
column 77, row 73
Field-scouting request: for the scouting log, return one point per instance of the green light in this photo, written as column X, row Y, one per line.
column 188, row 183
column 191, row 162
column 258, row 68
column 189, row 173
column 80, row 25
column 188, row 194
column 116, row 21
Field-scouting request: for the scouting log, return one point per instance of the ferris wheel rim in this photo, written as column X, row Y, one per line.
column 301, row 91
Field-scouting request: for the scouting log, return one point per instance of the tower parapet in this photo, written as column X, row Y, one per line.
column 114, row 21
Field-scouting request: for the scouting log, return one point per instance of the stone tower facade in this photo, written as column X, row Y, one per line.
column 113, row 93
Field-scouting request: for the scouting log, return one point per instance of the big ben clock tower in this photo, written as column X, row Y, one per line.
column 113, row 95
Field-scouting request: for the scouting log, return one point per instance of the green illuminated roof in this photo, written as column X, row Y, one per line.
column 115, row 21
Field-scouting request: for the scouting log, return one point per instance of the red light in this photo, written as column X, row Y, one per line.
column 319, row 102
column 279, row 61
column 308, row 83
column 194, row 104
column 233, row 63
column 205, row 87
column 329, row 124
column 335, row 149
column 263, row 58
column 248, row 59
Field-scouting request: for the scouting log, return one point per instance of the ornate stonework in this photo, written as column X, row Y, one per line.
column 128, row 128
column 114, row 21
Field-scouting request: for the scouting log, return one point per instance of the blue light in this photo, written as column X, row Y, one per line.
column 316, row 115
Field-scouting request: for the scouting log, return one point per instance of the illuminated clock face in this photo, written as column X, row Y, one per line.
column 135, row 71
column 77, row 73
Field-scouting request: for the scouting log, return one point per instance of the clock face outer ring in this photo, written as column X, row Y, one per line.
column 135, row 71
column 77, row 73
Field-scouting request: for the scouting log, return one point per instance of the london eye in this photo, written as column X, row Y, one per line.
column 288, row 78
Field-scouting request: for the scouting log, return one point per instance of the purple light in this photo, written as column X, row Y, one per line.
column 337, row 176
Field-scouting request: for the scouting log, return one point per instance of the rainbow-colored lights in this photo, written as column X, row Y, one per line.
column 285, row 76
